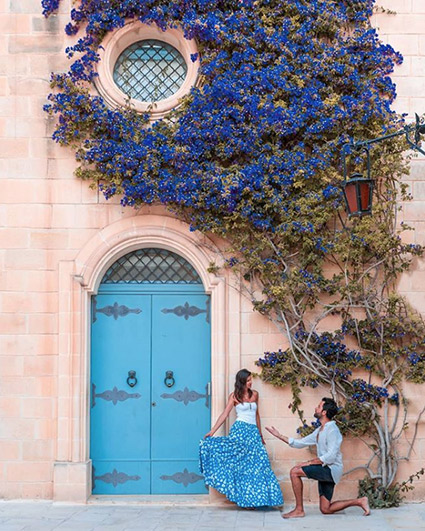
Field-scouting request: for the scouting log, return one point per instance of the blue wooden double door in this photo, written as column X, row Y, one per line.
column 150, row 388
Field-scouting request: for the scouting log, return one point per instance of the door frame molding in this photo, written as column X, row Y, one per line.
column 79, row 279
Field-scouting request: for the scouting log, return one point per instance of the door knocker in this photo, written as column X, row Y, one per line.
column 169, row 379
column 132, row 380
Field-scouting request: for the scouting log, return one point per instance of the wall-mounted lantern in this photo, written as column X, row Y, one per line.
column 358, row 195
column 358, row 188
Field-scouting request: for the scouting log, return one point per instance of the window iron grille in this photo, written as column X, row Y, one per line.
column 151, row 266
column 150, row 70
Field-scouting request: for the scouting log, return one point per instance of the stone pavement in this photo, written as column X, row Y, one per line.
column 116, row 516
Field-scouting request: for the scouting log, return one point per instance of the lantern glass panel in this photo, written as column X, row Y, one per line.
column 351, row 197
column 364, row 195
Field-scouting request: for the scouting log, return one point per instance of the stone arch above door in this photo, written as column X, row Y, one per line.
column 78, row 280
column 130, row 234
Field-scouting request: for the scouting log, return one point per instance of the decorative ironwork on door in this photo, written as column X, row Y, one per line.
column 114, row 478
column 113, row 395
column 186, row 311
column 184, row 477
column 187, row 396
column 115, row 310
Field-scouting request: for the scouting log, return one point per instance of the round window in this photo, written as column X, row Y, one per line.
column 146, row 67
column 150, row 70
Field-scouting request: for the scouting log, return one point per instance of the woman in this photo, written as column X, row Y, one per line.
column 238, row 465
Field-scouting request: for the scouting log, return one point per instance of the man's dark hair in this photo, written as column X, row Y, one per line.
column 329, row 405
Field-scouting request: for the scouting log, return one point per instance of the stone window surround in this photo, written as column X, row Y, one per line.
column 117, row 41
column 79, row 279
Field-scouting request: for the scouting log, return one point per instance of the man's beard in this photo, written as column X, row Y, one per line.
column 316, row 415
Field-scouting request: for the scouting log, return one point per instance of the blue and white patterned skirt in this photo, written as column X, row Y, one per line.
column 238, row 466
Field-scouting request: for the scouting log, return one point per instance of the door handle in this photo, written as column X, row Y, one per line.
column 169, row 379
column 131, row 380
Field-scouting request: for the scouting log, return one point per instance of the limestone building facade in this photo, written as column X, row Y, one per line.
column 58, row 239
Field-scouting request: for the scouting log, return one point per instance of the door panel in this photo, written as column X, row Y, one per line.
column 121, row 477
column 120, row 414
column 177, row 477
column 144, row 438
column 181, row 345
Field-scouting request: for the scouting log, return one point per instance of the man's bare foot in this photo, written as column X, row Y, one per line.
column 364, row 504
column 295, row 513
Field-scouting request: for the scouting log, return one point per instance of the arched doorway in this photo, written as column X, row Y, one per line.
column 150, row 376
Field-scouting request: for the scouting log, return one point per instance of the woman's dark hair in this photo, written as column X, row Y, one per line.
column 240, row 383
column 329, row 405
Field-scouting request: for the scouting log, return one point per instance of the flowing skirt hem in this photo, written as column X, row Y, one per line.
column 242, row 504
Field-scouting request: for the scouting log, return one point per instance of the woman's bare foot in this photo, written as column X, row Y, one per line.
column 295, row 513
column 364, row 504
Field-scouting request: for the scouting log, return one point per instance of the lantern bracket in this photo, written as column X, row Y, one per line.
column 417, row 129
column 412, row 134
column 359, row 148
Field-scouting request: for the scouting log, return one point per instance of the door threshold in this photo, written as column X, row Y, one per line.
column 150, row 499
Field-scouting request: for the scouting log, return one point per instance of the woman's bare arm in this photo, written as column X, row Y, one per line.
column 257, row 416
column 222, row 417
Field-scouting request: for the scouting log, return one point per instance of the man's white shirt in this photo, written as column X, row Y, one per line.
column 328, row 441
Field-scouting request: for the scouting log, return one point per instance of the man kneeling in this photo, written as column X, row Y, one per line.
column 326, row 468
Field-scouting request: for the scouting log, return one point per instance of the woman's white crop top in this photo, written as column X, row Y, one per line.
column 246, row 412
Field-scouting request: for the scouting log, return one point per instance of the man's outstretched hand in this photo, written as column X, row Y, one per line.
column 273, row 431
column 276, row 433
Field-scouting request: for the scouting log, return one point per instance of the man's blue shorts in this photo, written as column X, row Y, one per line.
column 323, row 475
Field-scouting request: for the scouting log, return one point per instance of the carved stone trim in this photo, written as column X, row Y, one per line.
column 80, row 280
column 208, row 305
column 117, row 41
